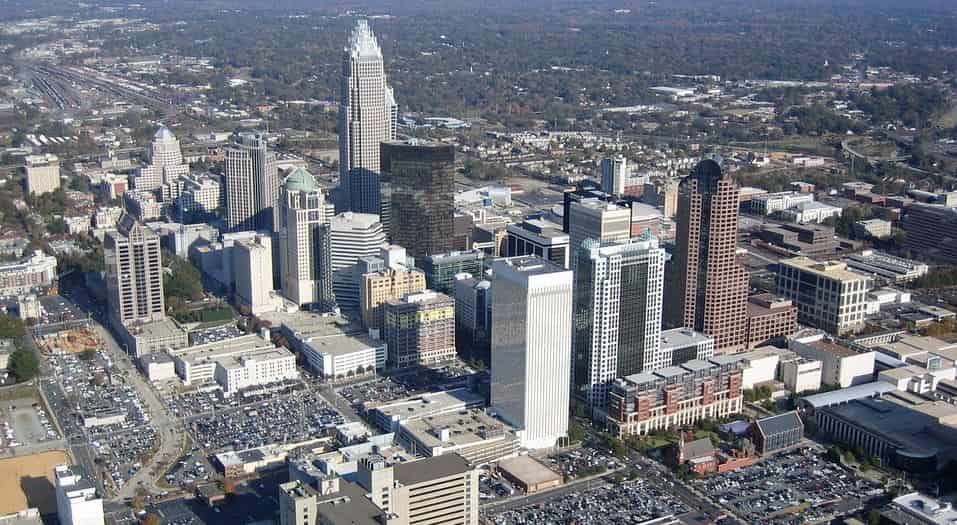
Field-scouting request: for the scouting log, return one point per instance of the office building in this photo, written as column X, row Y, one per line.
column 680, row 345
column 77, row 502
column 770, row 318
column 134, row 273
column 801, row 239
column 840, row 365
column 106, row 217
column 43, row 173
column 472, row 433
column 391, row 416
column 473, row 318
column 252, row 266
column 18, row 278
column 235, row 364
column 599, row 220
column 663, row 195
column 378, row 288
column 675, row 397
column 827, row 294
column 614, row 175
column 770, row 203
column 305, row 272
column 201, row 195
column 352, row 236
column 886, row 267
column 531, row 348
column 422, row 195
column 932, row 232
column 419, row 329
column 811, row 213
column 441, row 269
column 778, row 432
column 368, row 116
column 799, row 374
column 165, row 168
column 143, row 205
column 538, row 237
column 708, row 288
column 617, row 315
column 333, row 347
column 252, row 184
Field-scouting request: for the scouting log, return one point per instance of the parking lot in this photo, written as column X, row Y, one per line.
column 199, row 402
column 790, row 488
column 98, row 404
column 289, row 418
column 25, row 423
column 212, row 335
column 626, row 502
column 406, row 384
column 583, row 462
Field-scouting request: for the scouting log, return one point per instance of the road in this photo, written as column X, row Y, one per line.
column 169, row 430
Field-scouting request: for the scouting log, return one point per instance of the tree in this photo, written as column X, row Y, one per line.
column 88, row 354
column 23, row 364
column 576, row 432
column 12, row 327
column 184, row 281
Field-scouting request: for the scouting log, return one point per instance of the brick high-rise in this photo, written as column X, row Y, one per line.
column 708, row 287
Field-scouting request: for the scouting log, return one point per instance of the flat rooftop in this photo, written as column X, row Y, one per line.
column 848, row 394
column 465, row 427
column 263, row 354
column 429, row 469
column 528, row 470
column 219, row 350
column 829, row 270
column 681, row 338
column 156, row 330
column 431, row 404
column 832, row 348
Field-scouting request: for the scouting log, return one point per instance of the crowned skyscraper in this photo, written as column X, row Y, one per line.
column 367, row 117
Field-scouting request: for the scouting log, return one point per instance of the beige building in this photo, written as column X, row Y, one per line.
column 43, row 174
column 253, row 271
column 595, row 219
column 134, row 273
column 378, row 288
column 827, row 294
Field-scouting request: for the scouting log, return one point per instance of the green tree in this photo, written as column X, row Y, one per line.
column 23, row 364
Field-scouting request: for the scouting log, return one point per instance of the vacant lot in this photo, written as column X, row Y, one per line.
column 28, row 482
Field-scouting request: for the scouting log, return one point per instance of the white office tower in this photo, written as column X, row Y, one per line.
column 252, row 184
column 618, row 295
column 43, row 173
column 352, row 236
column 165, row 169
column 614, row 173
column 531, row 348
column 134, row 272
column 76, row 500
column 253, row 269
column 368, row 116
column 302, row 212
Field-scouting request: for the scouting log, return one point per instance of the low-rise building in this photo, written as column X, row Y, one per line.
column 235, row 364
column 876, row 228
column 770, row 318
column 390, row 416
column 528, row 474
column 43, row 173
column 778, row 432
column 811, row 213
column 840, row 365
column 158, row 366
column 473, row 434
column 680, row 345
column 918, row 509
column 769, row 203
column 800, row 374
column 886, row 267
column 39, row 271
column 675, row 396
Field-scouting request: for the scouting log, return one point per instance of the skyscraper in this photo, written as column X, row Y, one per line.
column 352, row 236
column 252, row 184
column 253, row 270
column 303, row 211
column 423, row 191
column 165, row 168
column 708, row 287
column 368, row 116
column 614, row 174
column 419, row 329
column 617, row 320
column 598, row 220
column 531, row 348
column 134, row 273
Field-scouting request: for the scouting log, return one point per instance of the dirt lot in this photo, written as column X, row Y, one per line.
column 28, row 482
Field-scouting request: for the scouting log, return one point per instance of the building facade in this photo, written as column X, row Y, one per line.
column 596, row 219
column 617, row 315
column 419, row 329
column 77, row 502
column 352, row 236
column 380, row 287
column 252, row 264
column 368, row 116
column 828, row 295
column 134, row 273
column 303, row 212
column 538, row 237
column 423, row 189
column 252, row 184
column 18, row 278
column 531, row 348
column 614, row 174
column 708, row 285
column 441, row 269
column 43, row 174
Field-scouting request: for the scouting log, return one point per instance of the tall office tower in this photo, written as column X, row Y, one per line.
column 368, row 116
column 134, row 273
column 43, row 173
column 531, row 348
column 252, row 264
column 473, row 317
column 419, row 329
column 617, row 323
column 538, row 237
column 599, row 220
column 252, row 184
column 423, row 190
column 708, row 287
column 77, row 502
column 614, row 174
column 352, row 236
column 303, row 211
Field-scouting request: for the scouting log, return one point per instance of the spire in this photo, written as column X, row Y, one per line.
column 363, row 43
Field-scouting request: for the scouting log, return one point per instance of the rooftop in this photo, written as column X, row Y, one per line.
column 779, row 423
column 431, row 404
column 682, row 337
column 830, row 270
column 429, row 469
column 529, row 470
column 221, row 350
column 845, row 395
column 464, row 427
